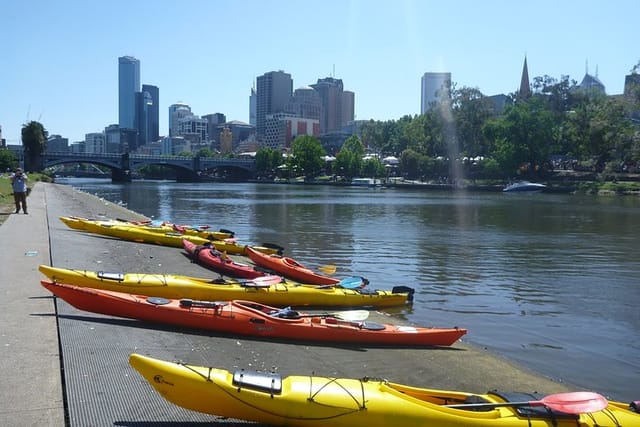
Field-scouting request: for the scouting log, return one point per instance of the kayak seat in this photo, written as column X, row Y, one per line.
column 371, row 326
column 285, row 313
column 475, row 399
column 532, row 411
column 260, row 381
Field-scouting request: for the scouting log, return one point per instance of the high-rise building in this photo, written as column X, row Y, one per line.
column 213, row 121
column 332, row 96
column 176, row 112
column 274, row 90
column 95, row 143
column 240, row 132
column 252, row 107
column 152, row 125
column 348, row 107
column 305, row 103
column 282, row 128
column 128, row 85
column 56, row 143
column 147, row 115
column 193, row 128
column 435, row 88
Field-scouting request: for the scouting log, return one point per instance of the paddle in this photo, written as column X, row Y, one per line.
column 352, row 282
column 348, row 315
column 579, row 402
column 328, row 269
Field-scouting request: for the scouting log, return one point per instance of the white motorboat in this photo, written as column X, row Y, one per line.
column 524, row 186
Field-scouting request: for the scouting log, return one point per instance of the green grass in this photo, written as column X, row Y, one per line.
column 6, row 192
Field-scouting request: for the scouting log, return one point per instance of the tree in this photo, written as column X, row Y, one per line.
column 8, row 160
column 522, row 136
column 409, row 165
column 34, row 141
column 349, row 158
column 205, row 152
column 307, row 153
column 471, row 109
column 373, row 168
column 267, row 160
column 372, row 135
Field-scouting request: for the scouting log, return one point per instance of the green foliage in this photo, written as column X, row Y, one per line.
column 354, row 145
column 205, row 152
column 558, row 118
column 373, row 168
column 471, row 109
column 8, row 160
column 268, row 160
column 522, row 136
column 34, row 141
column 349, row 159
column 306, row 158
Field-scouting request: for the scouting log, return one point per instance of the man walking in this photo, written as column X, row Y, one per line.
column 19, row 184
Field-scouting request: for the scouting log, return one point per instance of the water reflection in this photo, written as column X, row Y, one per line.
column 544, row 279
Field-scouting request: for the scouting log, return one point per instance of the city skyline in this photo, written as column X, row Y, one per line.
column 59, row 73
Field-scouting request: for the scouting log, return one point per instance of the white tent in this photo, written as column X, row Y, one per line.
column 391, row 160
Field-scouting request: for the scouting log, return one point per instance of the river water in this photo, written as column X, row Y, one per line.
column 550, row 281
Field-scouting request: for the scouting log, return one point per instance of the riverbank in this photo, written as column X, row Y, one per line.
column 98, row 385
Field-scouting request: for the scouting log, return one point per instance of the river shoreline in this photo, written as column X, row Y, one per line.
column 95, row 348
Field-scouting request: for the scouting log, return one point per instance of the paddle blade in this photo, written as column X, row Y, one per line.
column 579, row 402
column 328, row 269
column 351, row 315
column 575, row 403
column 352, row 282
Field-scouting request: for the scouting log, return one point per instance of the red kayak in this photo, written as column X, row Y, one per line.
column 210, row 257
column 253, row 319
column 289, row 268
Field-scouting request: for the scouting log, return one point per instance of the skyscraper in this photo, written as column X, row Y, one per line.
column 334, row 99
column 274, row 90
column 435, row 88
column 152, row 123
column 252, row 107
column 348, row 107
column 128, row 85
column 305, row 103
column 177, row 112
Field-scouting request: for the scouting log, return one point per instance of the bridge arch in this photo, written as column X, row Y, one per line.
column 188, row 169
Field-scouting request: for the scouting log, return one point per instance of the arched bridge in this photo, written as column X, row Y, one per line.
column 188, row 169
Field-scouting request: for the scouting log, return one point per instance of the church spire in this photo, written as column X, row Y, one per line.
column 525, row 89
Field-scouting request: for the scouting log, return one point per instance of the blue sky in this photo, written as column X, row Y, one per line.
column 60, row 58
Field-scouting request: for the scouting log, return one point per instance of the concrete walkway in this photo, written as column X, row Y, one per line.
column 31, row 385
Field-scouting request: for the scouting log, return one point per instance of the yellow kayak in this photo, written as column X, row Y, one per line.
column 270, row 290
column 310, row 401
column 168, row 238
column 78, row 223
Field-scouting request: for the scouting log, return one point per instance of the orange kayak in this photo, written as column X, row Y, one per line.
column 208, row 256
column 249, row 318
column 289, row 268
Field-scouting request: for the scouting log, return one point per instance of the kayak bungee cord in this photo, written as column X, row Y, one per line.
column 335, row 380
column 609, row 414
column 235, row 396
